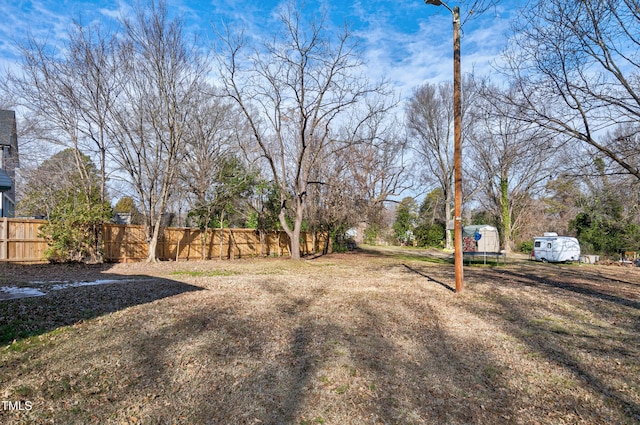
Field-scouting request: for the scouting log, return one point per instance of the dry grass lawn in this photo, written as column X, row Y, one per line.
column 360, row 338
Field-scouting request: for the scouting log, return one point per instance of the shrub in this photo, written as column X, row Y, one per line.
column 430, row 235
column 526, row 247
column 371, row 234
column 74, row 229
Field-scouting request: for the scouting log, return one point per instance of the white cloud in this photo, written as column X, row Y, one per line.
column 117, row 10
column 409, row 59
column 405, row 41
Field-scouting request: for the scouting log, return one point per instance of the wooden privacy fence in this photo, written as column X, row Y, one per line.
column 20, row 242
column 128, row 243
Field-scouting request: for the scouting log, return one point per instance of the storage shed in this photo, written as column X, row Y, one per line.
column 481, row 238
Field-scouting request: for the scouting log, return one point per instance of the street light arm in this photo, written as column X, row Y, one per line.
column 438, row 3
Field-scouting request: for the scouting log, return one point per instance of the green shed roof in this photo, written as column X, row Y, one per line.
column 470, row 230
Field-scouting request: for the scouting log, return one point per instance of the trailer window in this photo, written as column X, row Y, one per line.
column 537, row 244
column 549, row 245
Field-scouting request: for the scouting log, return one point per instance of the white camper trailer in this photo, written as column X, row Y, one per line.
column 556, row 249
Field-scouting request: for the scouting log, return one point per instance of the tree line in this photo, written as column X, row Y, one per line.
column 289, row 132
column 554, row 146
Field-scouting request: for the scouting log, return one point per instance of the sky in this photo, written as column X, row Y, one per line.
column 406, row 41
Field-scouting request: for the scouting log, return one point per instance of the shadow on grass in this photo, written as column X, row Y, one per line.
column 257, row 371
column 430, row 278
column 577, row 288
column 440, row 371
column 299, row 368
column 66, row 303
column 572, row 341
column 283, row 353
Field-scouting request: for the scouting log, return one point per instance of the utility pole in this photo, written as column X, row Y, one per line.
column 457, row 145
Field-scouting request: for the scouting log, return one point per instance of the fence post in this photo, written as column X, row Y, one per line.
column 5, row 239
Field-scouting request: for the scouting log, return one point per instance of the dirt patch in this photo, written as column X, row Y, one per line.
column 370, row 337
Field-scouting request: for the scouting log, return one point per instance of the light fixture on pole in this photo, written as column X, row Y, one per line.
column 457, row 144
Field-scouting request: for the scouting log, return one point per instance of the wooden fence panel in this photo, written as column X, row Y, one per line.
column 20, row 241
column 124, row 243
column 243, row 243
column 180, row 244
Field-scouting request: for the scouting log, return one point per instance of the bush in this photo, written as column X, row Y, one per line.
column 430, row 235
column 526, row 247
column 74, row 230
column 605, row 235
column 371, row 234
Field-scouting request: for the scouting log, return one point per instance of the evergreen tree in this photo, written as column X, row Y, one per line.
column 406, row 215
column 431, row 228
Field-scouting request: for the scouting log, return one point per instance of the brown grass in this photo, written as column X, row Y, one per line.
column 361, row 338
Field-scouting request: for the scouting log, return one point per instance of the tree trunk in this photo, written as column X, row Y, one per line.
column 294, row 234
column 327, row 243
column 178, row 248
column 205, row 232
column 505, row 213
column 153, row 242
column 447, row 214
column 314, row 241
column 295, row 244
column 203, row 243
column 294, row 239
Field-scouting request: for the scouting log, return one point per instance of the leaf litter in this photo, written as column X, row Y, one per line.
column 366, row 337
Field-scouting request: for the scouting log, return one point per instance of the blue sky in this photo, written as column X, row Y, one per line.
column 405, row 41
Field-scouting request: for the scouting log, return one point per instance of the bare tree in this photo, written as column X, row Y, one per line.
column 159, row 72
column 66, row 93
column 474, row 8
column 379, row 169
column 211, row 139
column 512, row 160
column 430, row 123
column 576, row 67
column 91, row 65
column 300, row 93
column 45, row 86
column 332, row 206
column 360, row 178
